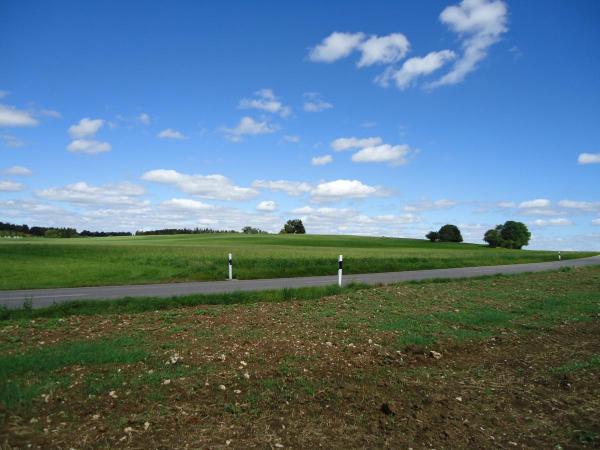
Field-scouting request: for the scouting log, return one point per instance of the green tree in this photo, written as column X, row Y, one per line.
column 450, row 233
column 515, row 234
column 510, row 235
column 294, row 226
column 433, row 236
column 493, row 237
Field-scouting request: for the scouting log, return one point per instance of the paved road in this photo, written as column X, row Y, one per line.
column 45, row 297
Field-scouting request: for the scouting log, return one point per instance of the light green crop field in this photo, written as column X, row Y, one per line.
column 41, row 262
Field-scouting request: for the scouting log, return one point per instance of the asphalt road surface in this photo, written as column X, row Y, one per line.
column 40, row 298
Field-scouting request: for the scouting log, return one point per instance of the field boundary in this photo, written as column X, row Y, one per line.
column 41, row 298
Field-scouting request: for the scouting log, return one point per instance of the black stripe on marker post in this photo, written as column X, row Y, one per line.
column 340, row 265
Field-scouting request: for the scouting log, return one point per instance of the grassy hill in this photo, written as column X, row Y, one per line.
column 43, row 262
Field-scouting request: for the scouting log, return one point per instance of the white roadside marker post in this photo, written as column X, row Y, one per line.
column 340, row 267
column 230, row 267
column 559, row 256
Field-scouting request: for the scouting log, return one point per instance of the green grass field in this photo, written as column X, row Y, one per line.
column 42, row 263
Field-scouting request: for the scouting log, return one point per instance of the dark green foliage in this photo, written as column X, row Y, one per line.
column 433, row 236
column 169, row 231
column 252, row 230
column 512, row 234
column 294, row 226
column 493, row 238
column 450, row 233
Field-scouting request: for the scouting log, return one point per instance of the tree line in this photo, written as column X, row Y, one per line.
column 511, row 234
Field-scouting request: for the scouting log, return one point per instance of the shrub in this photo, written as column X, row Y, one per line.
column 294, row 226
column 433, row 236
column 510, row 235
column 450, row 233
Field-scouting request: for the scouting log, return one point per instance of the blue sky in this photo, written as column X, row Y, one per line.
column 381, row 118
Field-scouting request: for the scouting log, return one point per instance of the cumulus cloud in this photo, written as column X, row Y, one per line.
column 17, row 171
column 321, row 160
column 169, row 133
column 186, row 204
column 217, row 187
column 552, row 222
column 350, row 221
column 314, row 103
column 480, row 24
column 537, row 203
column 82, row 134
column 289, row 187
column 266, row 100
column 344, row 189
column 10, row 186
column 85, row 128
column 414, row 68
column 374, row 49
column 335, row 46
column 267, row 206
column 82, row 193
column 581, row 206
column 383, row 50
column 13, row 117
column 342, row 144
column 392, row 154
column 248, row 127
column 87, row 146
column 589, row 158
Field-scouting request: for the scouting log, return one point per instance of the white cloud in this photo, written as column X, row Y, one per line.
column 13, row 117
column 82, row 193
column 537, row 203
column 10, row 186
column 186, row 204
column 552, row 222
column 321, row 160
column 426, row 205
column 289, row 187
column 383, row 50
column 266, row 100
column 596, row 221
column 89, row 147
column 480, row 24
column 580, row 205
column 314, row 102
column 169, row 133
column 248, row 126
column 393, row 154
column 414, row 68
column 342, row 144
column 374, row 49
column 17, row 171
column 217, row 187
column 85, row 128
column 335, row 46
column 328, row 220
column 144, row 119
column 267, row 206
column 292, row 139
column 11, row 141
column 343, row 189
column 589, row 158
